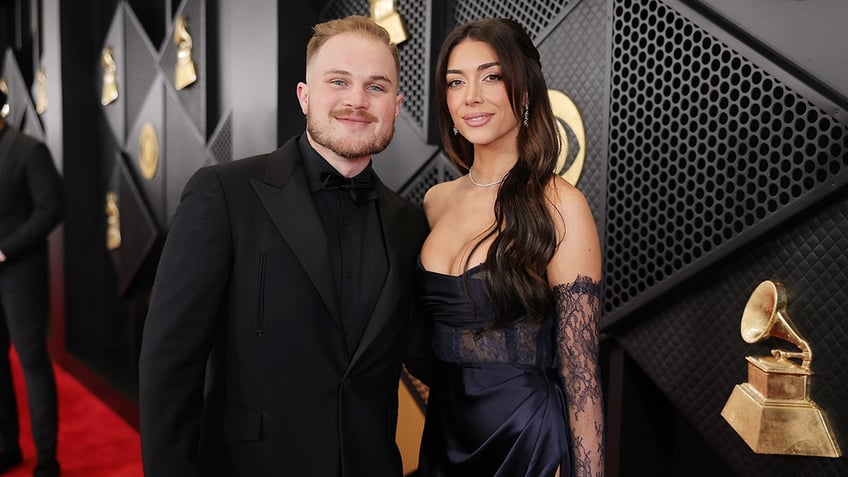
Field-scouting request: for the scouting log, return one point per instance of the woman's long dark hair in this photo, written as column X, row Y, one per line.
column 525, row 236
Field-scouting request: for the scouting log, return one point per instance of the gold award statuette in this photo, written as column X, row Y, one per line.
column 184, row 72
column 5, row 109
column 41, row 96
column 148, row 151
column 113, row 222
column 109, row 92
column 384, row 13
column 772, row 412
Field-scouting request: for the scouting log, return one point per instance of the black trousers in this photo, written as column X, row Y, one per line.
column 24, row 314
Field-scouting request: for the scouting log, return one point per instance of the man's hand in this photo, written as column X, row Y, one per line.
column 2, row 257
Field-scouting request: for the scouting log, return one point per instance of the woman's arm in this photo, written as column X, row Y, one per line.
column 574, row 274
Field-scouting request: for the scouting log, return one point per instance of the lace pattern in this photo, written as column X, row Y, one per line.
column 578, row 310
column 521, row 343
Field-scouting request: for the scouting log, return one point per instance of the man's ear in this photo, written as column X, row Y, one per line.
column 303, row 97
column 397, row 106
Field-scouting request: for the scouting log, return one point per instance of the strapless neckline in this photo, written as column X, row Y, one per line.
column 468, row 271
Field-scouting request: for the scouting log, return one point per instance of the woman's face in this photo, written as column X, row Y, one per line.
column 477, row 97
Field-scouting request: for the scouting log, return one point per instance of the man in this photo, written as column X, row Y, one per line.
column 294, row 278
column 30, row 207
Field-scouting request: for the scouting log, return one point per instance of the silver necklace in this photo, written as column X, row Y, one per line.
column 490, row 184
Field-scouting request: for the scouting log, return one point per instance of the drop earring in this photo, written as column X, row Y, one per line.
column 455, row 131
column 526, row 114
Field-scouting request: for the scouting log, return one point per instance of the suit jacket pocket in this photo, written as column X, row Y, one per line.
column 242, row 424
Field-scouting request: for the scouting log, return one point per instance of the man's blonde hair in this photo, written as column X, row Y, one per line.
column 350, row 24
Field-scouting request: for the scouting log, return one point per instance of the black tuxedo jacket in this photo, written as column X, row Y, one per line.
column 244, row 280
column 31, row 198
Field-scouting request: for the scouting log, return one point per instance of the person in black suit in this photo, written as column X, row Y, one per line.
column 31, row 197
column 282, row 301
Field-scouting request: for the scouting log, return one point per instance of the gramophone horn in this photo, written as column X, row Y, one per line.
column 765, row 316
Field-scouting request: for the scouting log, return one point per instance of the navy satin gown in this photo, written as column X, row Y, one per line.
column 496, row 407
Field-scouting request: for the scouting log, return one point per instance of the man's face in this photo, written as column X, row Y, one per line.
column 350, row 97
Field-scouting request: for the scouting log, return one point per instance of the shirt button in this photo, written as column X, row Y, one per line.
column 349, row 275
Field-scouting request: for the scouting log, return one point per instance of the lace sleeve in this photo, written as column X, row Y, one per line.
column 578, row 313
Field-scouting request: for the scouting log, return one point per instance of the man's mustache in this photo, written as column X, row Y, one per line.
column 354, row 114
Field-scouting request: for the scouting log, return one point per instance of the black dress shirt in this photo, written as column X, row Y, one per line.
column 357, row 249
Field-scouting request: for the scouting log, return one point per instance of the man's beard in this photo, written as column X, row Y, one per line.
column 344, row 146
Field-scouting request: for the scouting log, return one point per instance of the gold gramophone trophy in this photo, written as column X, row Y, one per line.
column 5, row 109
column 772, row 412
column 385, row 14
column 109, row 92
column 184, row 71
column 113, row 222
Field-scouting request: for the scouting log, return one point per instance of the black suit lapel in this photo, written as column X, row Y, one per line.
column 286, row 197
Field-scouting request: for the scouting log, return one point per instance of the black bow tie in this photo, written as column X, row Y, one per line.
column 360, row 187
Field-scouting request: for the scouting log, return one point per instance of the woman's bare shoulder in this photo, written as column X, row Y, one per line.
column 438, row 198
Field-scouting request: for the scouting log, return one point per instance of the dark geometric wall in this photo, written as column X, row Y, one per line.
column 713, row 163
column 726, row 168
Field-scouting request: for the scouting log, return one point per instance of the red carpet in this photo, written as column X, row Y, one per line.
column 93, row 440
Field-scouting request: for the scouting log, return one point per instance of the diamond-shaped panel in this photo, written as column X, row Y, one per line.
column 184, row 151
column 192, row 97
column 141, row 70
column 152, row 189
column 116, row 111
column 137, row 226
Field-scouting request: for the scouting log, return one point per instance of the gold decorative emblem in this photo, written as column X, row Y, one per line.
column 109, row 91
column 113, row 222
column 566, row 112
column 384, row 13
column 5, row 109
column 772, row 412
column 148, row 151
column 41, row 91
column 184, row 72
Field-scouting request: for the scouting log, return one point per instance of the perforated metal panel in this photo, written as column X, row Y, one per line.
column 704, row 145
column 534, row 15
column 415, row 72
column 339, row 9
column 438, row 169
column 221, row 143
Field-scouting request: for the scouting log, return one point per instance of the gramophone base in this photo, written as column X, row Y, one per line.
column 779, row 426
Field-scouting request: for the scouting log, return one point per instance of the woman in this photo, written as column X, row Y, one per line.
column 510, row 275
